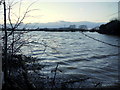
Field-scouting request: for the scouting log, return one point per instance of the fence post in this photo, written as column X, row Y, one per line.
column 1, row 65
column 5, row 45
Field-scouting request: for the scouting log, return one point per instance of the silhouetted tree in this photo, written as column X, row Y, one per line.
column 84, row 27
column 111, row 27
column 11, row 39
column 72, row 26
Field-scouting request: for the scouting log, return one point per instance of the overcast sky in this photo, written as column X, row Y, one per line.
column 72, row 11
column 74, row 0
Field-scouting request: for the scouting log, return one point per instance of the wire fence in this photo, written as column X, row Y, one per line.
column 100, row 40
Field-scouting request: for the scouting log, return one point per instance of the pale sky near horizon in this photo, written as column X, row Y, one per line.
column 66, row 11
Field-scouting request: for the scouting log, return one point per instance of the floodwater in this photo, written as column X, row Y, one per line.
column 76, row 55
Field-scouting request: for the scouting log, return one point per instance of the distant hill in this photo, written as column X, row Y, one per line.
column 60, row 24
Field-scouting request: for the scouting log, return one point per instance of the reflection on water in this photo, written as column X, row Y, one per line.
column 76, row 54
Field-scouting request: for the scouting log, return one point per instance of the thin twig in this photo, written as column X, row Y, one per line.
column 55, row 74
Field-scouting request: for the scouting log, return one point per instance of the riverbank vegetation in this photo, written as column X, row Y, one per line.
column 111, row 28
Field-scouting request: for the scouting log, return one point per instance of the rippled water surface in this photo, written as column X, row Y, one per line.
column 75, row 54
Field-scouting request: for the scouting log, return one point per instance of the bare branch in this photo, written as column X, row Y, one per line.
column 9, row 17
column 27, row 11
